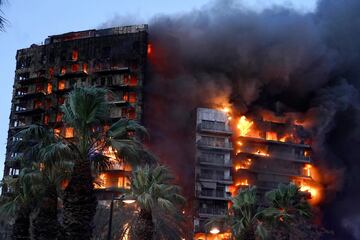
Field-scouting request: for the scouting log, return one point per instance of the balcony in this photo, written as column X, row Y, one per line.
column 29, row 111
column 106, row 69
column 213, row 162
column 291, row 172
column 119, row 103
column 24, row 81
column 214, row 177
column 227, row 146
column 29, row 95
column 213, row 211
column 213, row 194
column 213, row 129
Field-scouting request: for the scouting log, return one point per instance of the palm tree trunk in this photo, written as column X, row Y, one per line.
column 45, row 225
column 144, row 227
column 79, row 203
column 21, row 227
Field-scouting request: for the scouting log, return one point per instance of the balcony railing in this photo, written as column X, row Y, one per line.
column 214, row 194
column 25, row 111
column 214, row 177
column 224, row 146
column 213, row 161
column 213, row 211
column 214, row 129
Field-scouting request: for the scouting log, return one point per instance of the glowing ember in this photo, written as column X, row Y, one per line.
column 244, row 126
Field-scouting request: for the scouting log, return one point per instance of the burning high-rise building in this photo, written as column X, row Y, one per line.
column 114, row 58
column 233, row 153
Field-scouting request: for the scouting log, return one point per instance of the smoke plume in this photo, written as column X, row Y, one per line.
column 278, row 60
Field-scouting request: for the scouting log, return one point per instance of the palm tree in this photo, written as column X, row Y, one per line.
column 159, row 201
column 288, row 208
column 244, row 217
column 86, row 110
column 2, row 19
column 18, row 202
column 48, row 157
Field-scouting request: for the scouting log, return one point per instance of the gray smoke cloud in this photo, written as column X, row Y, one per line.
column 279, row 60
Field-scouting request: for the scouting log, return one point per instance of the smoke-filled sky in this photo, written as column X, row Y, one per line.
column 289, row 58
column 278, row 59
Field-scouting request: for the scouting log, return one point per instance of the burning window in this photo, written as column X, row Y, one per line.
column 51, row 72
column 85, row 67
column 149, row 49
column 244, row 126
column 57, row 131
column 132, row 97
column 123, row 182
column 133, row 81
column 307, row 170
column 271, row 136
column 37, row 104
column 46, row 119
column 69, row 132
column 74, row 55
column 75, row 67
column 61, row 85
column 62, row 70
column 49, row 88
column 59, row 117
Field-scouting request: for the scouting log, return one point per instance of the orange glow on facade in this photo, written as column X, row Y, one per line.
column 57, row 131
column 69, row 132
column 210, row 236
column 242, row 183
column 61, row 85
column 62, row 70
column 307, row 169
column 246, row 164
column 149, row 49
column 74, row 55
column 49, row 88
column 75, row 67
column 85, row 67
column 271, row 136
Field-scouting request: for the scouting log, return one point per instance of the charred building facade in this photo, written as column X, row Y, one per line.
column 234, row 154
column 113, row 58
column 269, row 153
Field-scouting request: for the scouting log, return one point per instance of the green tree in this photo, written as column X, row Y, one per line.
column 86, row 110
column 244, row 217
column 288, row 211
column 159, row 201
column 49, row 158
column 18, row 202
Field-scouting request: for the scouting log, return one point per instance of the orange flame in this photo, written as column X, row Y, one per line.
column 244, row 126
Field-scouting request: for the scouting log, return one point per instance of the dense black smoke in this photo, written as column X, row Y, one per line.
column 277, row 59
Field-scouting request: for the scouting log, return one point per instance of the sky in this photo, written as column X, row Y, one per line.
column 32, row 21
